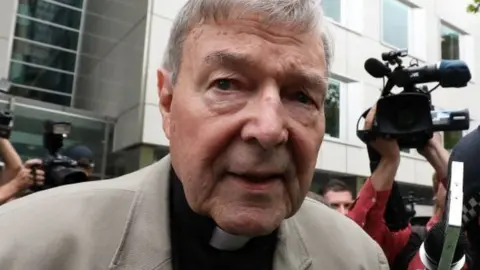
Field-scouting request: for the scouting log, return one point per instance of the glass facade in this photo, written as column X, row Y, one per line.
column 450, row 43
column 45, row 49
column 333, row 9
column 395, row 23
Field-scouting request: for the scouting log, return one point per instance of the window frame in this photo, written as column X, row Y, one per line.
column 410, row 35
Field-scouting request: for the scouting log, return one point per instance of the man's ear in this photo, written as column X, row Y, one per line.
column 165, row 96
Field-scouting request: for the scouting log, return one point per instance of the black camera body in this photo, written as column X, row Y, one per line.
column 59, row 170
column 6, row 124
column 409, row 116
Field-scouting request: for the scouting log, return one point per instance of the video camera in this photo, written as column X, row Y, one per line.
column 409, row 116
column 59, row 170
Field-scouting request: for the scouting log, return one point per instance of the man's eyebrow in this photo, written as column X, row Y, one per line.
column 312, row 79
column 238, row 60
column 229, row 59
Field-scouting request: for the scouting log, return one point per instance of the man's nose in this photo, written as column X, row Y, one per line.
column 267, row 122
column 342, row 209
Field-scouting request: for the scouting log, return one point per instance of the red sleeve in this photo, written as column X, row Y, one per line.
column 368, row 212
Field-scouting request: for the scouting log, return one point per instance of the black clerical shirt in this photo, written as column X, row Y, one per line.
column 191, row 234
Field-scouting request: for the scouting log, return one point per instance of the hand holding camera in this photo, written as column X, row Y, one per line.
column 29, row 175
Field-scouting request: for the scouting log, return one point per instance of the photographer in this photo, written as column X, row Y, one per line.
column 370, row 207
column 83, row 156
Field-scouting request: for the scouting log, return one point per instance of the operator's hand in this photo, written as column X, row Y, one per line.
column 387, row 148
column 25, row 178
column 436, row 155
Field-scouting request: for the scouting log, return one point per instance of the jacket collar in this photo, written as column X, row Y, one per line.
column 145, row 244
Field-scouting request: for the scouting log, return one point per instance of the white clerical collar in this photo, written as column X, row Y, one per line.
column 224, row 241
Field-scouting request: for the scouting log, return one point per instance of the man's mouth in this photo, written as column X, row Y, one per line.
column 257, row 181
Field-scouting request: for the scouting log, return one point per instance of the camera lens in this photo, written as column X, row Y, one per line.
column 405, row 118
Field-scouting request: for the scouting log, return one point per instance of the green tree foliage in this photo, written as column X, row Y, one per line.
column 474, row 7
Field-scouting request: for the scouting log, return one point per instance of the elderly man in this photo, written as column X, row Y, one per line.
column 241, row 95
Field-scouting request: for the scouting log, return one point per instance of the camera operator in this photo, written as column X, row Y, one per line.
column 370, row 207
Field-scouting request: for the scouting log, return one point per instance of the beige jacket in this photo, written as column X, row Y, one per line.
column 122, row 224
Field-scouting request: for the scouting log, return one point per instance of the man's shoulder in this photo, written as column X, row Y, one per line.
column 95, row 191
column 325, row 230
column 73, row 215
column 315, row 215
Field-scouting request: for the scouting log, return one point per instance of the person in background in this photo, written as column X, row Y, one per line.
column 82, row 155
column 337, row 194
column 369, row 209
column 317, row 197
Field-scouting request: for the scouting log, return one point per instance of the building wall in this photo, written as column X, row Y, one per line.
column 357, row 37
column 7, row 18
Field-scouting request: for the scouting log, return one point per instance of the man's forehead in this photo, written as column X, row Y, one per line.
column 212, row 42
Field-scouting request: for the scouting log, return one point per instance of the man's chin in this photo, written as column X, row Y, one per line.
column 249, row 222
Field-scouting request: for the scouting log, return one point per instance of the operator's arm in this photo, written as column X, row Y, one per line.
column 8, row 191
column 13, row 162
column 369, row 208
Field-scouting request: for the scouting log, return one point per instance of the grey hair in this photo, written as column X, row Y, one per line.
column 302, row 15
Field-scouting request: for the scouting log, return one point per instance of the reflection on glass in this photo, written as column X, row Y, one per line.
column 450, row 43
column 44, row 56
column 332, row 109
column 332, row 9
column 42, row 96
column 28, row 132
column 395, row 23
column 41, row 78
column 46, row 11
column 45, row 33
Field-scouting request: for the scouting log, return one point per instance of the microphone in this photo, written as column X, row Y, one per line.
column 448, row 73
column 376, row 68
column 444, row 245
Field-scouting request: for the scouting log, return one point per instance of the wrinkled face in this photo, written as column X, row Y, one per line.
column 245, row 122
column 339, row 200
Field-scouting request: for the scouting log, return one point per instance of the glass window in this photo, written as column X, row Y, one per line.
column 44, row 33
column 451, row 138
column 27, row 135
column 44, row 56
column 74, row 3
column 47, row 11
column 41, row 78
column 450, row 43
column 333, row 9
column 41, row 96
column 332, row 109
column 395, row 19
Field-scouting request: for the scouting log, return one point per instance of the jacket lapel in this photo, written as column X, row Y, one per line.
column 145, row 244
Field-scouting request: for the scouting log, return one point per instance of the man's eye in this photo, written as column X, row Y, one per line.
column 224, row 84
column 303, row 98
